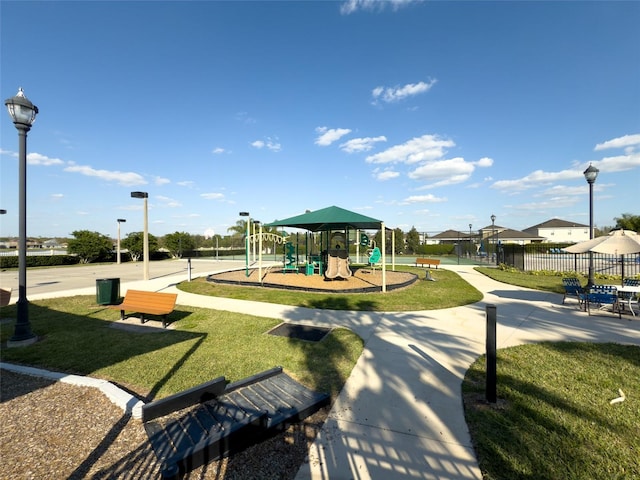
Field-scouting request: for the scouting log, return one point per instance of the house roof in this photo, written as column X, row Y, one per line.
column 450, row 235
column 556, row 223
column 330, row 218
column 509, row 234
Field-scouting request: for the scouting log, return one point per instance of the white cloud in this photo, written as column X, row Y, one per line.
column 361, row 144
column 269, row 144
column 212, row 196
column 429, row 198
column 186, row 183
column 395, row 94
column 123, row 178
column 245, row 118
column 447, row 172
column 161, row 181
column 218, row 151
column 484, row 162
column 540, row 178
column 620, row 142
column 536, row 179
column 352, row 6
column 168, row 202
column 386, row 175
column 328, row 136
column 38, row 159
column 57, row 196
column 419, row 149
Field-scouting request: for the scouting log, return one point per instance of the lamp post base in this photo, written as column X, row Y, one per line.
column 14, row 343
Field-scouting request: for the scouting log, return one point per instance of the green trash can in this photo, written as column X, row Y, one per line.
column 108, row 291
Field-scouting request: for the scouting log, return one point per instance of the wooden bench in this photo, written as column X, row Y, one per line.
column 428, row 262
column 5, row 297
column 147, row 303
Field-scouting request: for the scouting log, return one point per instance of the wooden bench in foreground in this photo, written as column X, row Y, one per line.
column 147, row 303
column 5, row 297
column 428, row 262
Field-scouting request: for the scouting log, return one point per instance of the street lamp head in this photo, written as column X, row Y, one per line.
column 591, row 173
column 493, row 218
column 2, row 211
column 23, row 112
column 244, row 214
column 121, row 220
column 139, row 195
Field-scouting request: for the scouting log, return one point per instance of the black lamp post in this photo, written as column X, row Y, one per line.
column 470, row 242
column 246, row 244
column 493, row 234
column 23, row 114
column 120, row 220
column 590, row 174
column 145, row 246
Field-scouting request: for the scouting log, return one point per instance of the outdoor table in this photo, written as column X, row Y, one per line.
column 634, row 290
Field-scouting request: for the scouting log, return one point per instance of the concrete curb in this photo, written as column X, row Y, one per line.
column 127, row 402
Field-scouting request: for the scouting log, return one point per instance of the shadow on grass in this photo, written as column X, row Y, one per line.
column 554, row 421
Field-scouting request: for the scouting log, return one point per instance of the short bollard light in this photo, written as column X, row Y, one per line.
column 491, row 386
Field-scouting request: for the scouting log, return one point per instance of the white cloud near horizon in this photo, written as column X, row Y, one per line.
column 127, row 179
column 429, row 198
column 327, row 136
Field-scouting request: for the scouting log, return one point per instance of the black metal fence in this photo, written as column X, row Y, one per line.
column 535, row 257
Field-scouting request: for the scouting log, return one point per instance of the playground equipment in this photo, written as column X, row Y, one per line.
column 338, row 258
column 374, row 257
column 290, row 264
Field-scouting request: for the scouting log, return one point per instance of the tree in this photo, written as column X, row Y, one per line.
column 135, row 244
column 413, row 241
column 177, row 243
column 89, row 246
column 240, row 228
column 628, row 222
column 400, row 245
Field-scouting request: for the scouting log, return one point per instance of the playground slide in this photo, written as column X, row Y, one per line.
column 337, row 267
column 332, row 267
column 343, row 268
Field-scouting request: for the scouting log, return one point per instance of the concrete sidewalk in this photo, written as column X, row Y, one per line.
column 400, row 413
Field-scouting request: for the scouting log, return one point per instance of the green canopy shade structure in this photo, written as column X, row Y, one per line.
column 336, row 218
column 330, row 218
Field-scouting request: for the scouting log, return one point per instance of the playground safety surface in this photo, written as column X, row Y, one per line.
column 363, row 280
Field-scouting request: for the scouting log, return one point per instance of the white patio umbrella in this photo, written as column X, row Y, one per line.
column 618, row 242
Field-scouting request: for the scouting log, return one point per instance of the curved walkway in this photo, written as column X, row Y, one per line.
column 400, row 413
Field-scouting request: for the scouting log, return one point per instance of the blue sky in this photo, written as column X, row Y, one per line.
column 427, row 114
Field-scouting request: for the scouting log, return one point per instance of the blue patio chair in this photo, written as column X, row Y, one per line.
column 573, row 288
column 602, row 296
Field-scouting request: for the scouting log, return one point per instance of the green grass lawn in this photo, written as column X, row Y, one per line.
column 553, row 418
column 77, row 338
column 422, row 295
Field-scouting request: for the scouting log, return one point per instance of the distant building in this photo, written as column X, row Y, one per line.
column 560, row 231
